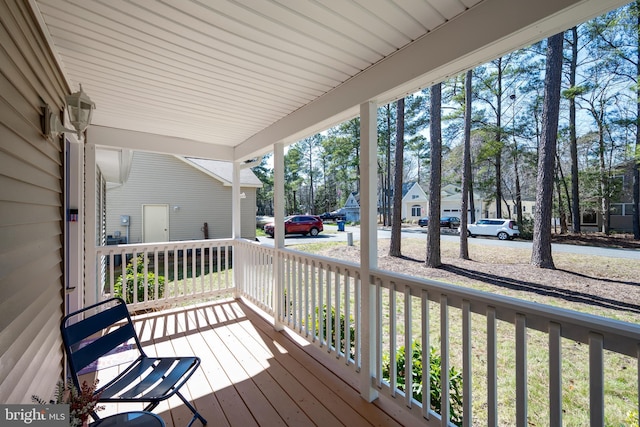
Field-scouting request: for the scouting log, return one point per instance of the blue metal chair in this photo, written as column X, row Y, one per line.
column 99, row 329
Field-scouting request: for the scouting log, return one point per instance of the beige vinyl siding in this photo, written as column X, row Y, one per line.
column 31, row 212
column 166, row 180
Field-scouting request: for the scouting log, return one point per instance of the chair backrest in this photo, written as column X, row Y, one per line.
column 94, row 331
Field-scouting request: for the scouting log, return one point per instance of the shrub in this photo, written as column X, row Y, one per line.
column 138, row 277
column 526, row 229
column 455, row 379
column 323, row 320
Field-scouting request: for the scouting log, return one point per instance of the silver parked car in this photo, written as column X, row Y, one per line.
column 503, row 229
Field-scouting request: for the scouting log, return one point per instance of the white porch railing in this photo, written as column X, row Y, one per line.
column 168, row 273
column 467, row 328
column 498, row 345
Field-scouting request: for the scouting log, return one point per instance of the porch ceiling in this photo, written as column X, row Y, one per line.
column 244, row 74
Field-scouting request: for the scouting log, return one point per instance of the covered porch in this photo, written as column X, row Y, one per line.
column 232, row 81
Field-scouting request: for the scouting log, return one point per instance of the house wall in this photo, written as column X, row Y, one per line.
column 408, row 201
column 199, row 198
column 31, row 212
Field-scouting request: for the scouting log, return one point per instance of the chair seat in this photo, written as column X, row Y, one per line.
column 149, row 379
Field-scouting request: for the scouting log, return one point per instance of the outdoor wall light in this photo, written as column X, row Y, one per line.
column 80, row 109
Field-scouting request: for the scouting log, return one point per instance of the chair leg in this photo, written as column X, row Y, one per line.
column 196, row 415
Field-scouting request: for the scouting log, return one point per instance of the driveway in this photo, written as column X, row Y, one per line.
column 452, row 236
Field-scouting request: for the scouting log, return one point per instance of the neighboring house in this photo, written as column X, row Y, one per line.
column 168, row 198
column 352, row 208
column 621, row 206
column 508, row 210
column 414, row 201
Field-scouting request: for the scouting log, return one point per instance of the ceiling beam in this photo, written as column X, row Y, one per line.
column 141, row 141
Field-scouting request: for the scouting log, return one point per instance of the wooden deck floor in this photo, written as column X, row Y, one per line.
column 251, row 375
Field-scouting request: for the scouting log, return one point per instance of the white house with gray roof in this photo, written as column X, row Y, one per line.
column 168, row 198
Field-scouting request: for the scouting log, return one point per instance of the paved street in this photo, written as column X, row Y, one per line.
column 450, row 235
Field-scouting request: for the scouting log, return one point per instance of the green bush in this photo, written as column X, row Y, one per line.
column 323, row 320
column 455, row 379
column 138, row 277
column 526, row 229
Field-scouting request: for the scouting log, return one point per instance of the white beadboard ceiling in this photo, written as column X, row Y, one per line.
column 244, row 74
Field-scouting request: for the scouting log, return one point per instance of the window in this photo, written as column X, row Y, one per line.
column 416, row 210
column 616, row 209
column 624, row 209
column 589, row 217
column 414, row 196
column 627, row 209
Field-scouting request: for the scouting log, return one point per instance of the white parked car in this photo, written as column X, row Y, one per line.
column 503, row 229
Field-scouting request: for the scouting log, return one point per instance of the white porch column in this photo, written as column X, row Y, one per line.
column 91, row 291
column 368, row 243
column 236, row 227
column 74, row 173
column 278, row 238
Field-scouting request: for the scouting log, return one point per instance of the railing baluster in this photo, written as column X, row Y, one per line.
column 219, row 266
column 378, row 320
column 555, row 375
column 328, row 317
column 444, row 360
column 596, row 379
column 467, row 403
column 176, row 282
column 358, row 321
column 145, row 271
column 306, row 297
column 321, row 285
column 338, row 309
column 522, row 395
column 492, row 369
column 185, row 271
column 211, row 249
column 112, row 274
column 166, row 272
column 313, row 300
column 155, row 271
column 393, row 371
column 408, row 348
column 299, row 293
column 347, row 317
column 426, row 355
column 638, row 370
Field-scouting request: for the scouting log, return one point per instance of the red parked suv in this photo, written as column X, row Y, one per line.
column 298, row 224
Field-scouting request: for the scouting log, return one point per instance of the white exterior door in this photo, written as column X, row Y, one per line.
column 155, row 223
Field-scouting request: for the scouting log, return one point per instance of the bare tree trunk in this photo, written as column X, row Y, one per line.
column 499, row 142
column 466, row 167
column 605, row 201
column 636, row 157
column 433, row 229
column 472, row 202
column 388, row 186
column 561, row 212
column 520, row 218
column 541, row 250
column 396, row 226
column 573, row 139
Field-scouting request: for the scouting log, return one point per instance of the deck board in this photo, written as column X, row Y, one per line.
column 251, row 374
